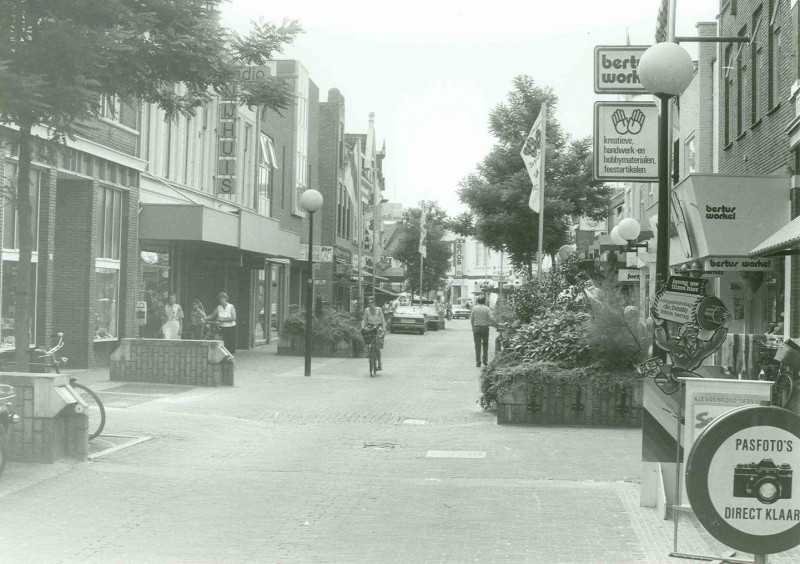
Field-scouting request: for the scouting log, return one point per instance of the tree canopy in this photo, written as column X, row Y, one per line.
column 497, row 193
column 59, row 59
column 437, row 262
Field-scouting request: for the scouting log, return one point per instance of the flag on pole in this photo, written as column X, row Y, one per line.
column 423, row 234
column 533, row 154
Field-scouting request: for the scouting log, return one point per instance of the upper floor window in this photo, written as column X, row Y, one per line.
column 10, row 214
column 756, row 63
column 111, row 107
column 109, row 223
column 775, row 54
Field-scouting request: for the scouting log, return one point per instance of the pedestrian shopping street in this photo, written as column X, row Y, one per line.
column 337, row 467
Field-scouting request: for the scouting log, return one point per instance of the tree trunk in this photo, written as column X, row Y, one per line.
column 22, row 313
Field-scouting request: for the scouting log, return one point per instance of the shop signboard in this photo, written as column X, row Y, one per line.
column 140, row 313
column 630, row 275
column 458, row 257
column 626, row 141
column 616, row 69
column 225, row 180
column 742, row 479
column 738, row 264
column 316, row 253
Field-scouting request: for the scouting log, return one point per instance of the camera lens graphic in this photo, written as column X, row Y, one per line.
column 768, row 490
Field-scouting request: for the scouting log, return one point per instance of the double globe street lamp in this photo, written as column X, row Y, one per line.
column 311, row 202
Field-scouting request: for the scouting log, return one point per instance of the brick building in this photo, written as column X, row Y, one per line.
column 85, row 222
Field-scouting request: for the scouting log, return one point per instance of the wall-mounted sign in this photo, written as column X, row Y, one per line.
column 630, row 275
column 226, row 143
column 738, row 264
column 255, row 73
column 742, row 479
column 616, row 69
column 626, row 141
column 140, row 313
column 458, row 257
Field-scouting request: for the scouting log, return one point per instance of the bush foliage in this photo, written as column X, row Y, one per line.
column 331, row 325
column 568, row 331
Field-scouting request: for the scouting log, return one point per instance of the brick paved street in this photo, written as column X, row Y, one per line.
column 338, row 467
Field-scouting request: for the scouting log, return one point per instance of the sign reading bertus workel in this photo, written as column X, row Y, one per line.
column 616, row 69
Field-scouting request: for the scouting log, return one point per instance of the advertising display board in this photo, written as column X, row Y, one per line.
column 741, row 479
column 626, row 141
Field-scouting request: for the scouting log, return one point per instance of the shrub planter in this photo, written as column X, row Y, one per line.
column 581, row 404
column 293, row 345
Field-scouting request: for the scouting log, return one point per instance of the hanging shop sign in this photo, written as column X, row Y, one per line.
column 318, row 254
column 225, row 181
column 626, row 141
column 616, row 69
column 458, row 257
column 741, row 479
column 630, row 275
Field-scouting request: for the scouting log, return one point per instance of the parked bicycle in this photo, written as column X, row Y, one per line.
column 372, row 335
column 776, row 359
column 95, row 410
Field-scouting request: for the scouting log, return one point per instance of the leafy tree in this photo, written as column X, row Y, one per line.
column 497, row 193
column 59, row 59
column 437, row 262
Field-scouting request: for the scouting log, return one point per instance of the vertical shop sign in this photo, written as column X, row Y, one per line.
column 458, row 257
column 226, row 150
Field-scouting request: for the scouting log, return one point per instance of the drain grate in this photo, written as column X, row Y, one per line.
column 379, row 446
column 455, row 454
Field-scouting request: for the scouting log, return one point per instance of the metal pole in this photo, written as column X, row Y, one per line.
column 662, row 239
column 309, row 292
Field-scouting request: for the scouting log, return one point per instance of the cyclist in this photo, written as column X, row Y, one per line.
column 373, row 320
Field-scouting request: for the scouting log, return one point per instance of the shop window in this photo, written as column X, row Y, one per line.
column 8, row 315
column 10, row 215
column 106, row 288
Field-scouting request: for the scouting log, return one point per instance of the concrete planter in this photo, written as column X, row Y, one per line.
column 292, row 345
column 572, row 405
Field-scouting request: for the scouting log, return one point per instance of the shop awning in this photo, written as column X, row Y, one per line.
column 244, row 230
column 368, row 275
column 718, row 215
column 786, row 241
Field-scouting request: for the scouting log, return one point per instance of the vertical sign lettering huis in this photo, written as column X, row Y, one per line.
column 226, row 139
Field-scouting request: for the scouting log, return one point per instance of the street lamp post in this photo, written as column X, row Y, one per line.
column 665, row 69
column 311, row 201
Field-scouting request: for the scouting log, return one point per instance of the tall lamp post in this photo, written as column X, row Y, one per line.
column 665, row 69
column 311, row 201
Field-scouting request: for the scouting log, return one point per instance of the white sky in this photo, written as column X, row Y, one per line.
column 433, row 70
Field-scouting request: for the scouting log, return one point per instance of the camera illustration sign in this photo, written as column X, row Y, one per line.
column 741, row 479
column 626, row 141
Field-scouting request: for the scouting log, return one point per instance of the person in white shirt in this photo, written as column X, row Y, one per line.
column 225, row 314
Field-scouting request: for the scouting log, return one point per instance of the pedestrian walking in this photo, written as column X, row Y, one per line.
column 225, row 314
column 481, row 320
column 173, row 319
column 197, row 320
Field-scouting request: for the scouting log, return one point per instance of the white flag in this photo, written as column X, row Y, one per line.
column 533, row 155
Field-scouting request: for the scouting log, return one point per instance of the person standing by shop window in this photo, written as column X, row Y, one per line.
column 173, row 319
column 225, row 314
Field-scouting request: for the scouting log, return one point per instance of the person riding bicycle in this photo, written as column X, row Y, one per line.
column 373, row 320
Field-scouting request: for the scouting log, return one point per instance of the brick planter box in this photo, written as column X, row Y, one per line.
column 572, row 405
column 49, row 428
column 189, row 363
column 292, row 345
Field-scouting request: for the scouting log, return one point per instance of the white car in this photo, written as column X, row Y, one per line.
column 460, row 312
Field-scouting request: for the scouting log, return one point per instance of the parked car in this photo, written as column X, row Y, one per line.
column 433, row 320
column 406, row 318
column 460, row 312
column 7, row 417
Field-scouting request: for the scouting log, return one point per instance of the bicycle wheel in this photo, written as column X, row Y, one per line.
column 782, row 389
column 95, row 410
column 373, row 361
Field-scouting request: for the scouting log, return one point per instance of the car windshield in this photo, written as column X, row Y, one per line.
column 407, row 310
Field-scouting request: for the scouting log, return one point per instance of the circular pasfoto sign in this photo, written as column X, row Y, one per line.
column 741, row 479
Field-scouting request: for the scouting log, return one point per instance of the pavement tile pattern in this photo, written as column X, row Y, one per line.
column 335, row 468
